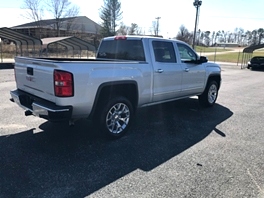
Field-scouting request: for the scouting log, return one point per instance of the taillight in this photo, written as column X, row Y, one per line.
column 63, row 83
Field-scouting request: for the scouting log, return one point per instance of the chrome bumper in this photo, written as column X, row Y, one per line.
column 40, row 107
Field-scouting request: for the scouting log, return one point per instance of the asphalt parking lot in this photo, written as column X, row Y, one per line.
column 178, row 149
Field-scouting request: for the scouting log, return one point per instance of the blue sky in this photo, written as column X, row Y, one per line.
column 214, row 14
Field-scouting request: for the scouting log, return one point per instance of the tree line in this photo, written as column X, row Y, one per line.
column 208, row 38
column 111, row 15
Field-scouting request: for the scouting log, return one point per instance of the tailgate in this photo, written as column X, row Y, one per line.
column 35, row 76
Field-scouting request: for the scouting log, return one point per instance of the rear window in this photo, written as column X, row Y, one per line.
column 122, row 50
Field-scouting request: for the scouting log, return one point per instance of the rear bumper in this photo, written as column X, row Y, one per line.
column 40, row 107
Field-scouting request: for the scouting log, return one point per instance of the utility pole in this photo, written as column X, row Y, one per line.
column 157, row 26
column 196, row 4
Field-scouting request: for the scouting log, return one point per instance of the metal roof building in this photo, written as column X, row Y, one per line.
column 248, row 52
column 67, row 26
column 30, row 46
column 22, row 42
column 70, row 43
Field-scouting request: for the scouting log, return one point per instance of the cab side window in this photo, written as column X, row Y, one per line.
column 164, row 51
column 186, row 53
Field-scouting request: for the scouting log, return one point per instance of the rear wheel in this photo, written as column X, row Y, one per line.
column 209, row 96
column 115, row 117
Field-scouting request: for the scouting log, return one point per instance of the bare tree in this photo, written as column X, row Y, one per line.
column 217, row 35
column 61, row 9
column 133, row 29
column 248, row 37
column 184, row 35
column 139, row 31
column 239, row 33
column 254, row 37
column 260, row 35
column 207, row 37
column 72, row 13
column 123, row 29
column 212, row 38
column 153, row 28
column 224, row 34
column 230, row 37
column 34, row 12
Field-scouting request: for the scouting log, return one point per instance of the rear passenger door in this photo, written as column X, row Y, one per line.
column 167, row 78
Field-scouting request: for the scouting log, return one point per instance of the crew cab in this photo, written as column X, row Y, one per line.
column 129, row 72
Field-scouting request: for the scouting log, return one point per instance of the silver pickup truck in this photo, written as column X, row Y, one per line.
column 128, row 72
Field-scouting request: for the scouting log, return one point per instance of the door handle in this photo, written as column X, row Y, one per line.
column 187, row 69
column 159, row 71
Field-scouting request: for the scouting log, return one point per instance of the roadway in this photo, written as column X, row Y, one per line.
column 176, row 149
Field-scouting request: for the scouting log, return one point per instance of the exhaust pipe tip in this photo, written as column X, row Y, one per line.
column 28, row 113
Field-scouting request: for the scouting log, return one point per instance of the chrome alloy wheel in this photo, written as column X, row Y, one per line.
column 212, row 93
column 117, row 118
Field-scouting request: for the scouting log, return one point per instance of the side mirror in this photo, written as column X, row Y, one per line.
column 203, row 59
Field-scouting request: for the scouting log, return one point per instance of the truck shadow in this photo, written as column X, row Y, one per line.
column 74, row 162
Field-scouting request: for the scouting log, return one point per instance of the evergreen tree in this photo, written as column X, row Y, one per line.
column 110, row 14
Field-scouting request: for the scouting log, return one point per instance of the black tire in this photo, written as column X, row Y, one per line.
column 209, row 96
column 115, row 117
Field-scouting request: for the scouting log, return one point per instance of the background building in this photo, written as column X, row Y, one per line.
column 80, row 26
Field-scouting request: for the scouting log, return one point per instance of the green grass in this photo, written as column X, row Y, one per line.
column 233, row 57
column 199, row 49
column 230, row 57
column 258, row 53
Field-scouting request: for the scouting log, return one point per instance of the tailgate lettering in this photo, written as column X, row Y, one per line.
column 30, row 78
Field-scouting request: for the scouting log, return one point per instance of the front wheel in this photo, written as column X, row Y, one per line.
column 115, row 117
column 209, row 96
